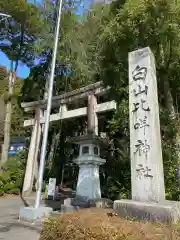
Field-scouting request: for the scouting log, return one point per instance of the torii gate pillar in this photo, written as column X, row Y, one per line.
column 32, row 160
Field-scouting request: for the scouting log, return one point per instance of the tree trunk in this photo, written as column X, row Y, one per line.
column 52, row 152
column 169, row 100
column 62, row 177
column 172, row 114
column 8, row 113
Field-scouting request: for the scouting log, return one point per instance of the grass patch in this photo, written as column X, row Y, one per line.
column 95, row 224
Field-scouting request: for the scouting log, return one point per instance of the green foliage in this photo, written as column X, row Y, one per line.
column 9, row 186
column 3, row 90
column 44, row 186
column 136, row 24
column 85, row 44
column 25, row 13
column 21, row 30
column 11, row 178
column 20, row 33
column 17, row 114
column 1, row 192
column 14, row 191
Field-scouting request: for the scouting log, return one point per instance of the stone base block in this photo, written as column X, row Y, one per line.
column 101, row 203
column 31, row 214
column 168, row 211
column 83, row 202
column 68, row 208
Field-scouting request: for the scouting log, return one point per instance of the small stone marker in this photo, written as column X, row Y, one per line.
column 51, row 188
column 146, row 153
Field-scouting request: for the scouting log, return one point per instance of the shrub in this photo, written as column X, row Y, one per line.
column 95, row 224
column 4, row 176
column 12, row 175
column 1, row 192
column 14, row 191
column 9, row 186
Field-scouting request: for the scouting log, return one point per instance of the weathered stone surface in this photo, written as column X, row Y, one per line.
column 88, row 183
column 32, row 164
column 147, row 175
column 101, row 203
column 68, row 208
column 81, row 201
column 68, row 201
column 168, row 211
column 92, row 115
column 84, row 202
column 32, row 214
column 73, row 204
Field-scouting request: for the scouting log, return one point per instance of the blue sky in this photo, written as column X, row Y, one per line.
column 23, row 71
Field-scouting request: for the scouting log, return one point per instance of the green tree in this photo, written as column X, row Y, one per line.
column 78, row 53
column 84, row 43
column 17, row 114
column 136, row 24
column 35, row 86
column 3, row 89
column 18, row 36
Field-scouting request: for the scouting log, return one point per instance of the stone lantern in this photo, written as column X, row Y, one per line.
column 88, row 190
column 89, row 160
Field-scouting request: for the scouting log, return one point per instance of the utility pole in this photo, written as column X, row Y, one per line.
column 48, row 111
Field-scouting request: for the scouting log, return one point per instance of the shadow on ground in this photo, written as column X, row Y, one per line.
column 8, row 226
column 56, row 204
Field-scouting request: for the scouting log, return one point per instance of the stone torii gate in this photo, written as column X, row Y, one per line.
column 90, row 92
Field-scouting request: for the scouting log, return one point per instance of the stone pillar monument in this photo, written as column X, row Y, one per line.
column 147, row 175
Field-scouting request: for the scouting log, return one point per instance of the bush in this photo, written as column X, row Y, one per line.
column 13, row 191
column 94, row 224
column 9, row 186
column 4, row 176
column 12, row 175
column 1, row 192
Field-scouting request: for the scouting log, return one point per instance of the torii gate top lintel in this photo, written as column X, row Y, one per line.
column 90, row 92
column 96, row 89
